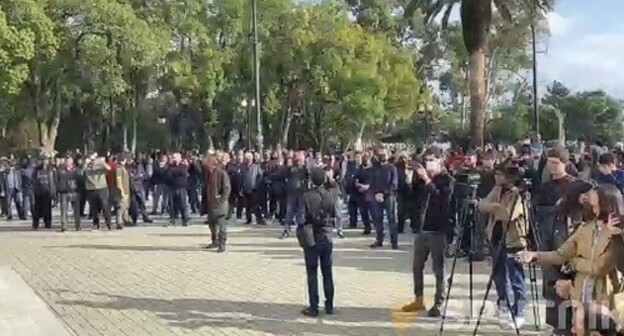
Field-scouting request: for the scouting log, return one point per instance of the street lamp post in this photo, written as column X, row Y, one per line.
column 256, row 61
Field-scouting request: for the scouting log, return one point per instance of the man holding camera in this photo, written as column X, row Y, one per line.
column 507, row 233
column 432, row 187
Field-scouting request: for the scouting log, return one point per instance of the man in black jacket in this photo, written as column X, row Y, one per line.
column 44, row 191
column 178, row 182
column 384, row 188
column 67, row 188
column 250, row 188
column 316, row 209
column 433, row 190
column 296, row 184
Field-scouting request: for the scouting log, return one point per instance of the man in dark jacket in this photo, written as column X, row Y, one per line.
column 177, row 174
column 364, row 194
column 13, row 183
column 433, row 197
column 316, row 209
column 296, row 184
column 384, row 186
column 44, row 191
column 138, row 176
column 217, row 195
column 252, row 178
column 235, row 202
column 67, row 188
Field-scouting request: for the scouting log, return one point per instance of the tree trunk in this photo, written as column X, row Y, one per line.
column 125, row 137
column 561, row 127
column 286, row 127
column 133, row 140
column 477, row 96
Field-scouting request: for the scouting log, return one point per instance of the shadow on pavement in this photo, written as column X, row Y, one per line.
column 266, row 317
column 145, row 248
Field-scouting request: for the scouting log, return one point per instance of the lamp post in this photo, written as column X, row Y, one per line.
column 256, row 62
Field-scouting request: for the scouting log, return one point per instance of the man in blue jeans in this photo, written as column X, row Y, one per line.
column 316, row 211
column 507, row 233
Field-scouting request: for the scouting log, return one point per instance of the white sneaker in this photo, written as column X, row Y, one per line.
column 520, row 321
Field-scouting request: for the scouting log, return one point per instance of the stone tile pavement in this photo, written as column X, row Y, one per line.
column 152, row 280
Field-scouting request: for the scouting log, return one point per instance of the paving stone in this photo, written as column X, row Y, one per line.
column 152, row 280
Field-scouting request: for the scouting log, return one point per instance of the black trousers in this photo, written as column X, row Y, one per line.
column 277, row 205
column 98, row 202
column 43, row 209
column 320, row 255
column 252, row 205
column 137, row 205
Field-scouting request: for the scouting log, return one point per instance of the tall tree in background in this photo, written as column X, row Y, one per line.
column 476, row 21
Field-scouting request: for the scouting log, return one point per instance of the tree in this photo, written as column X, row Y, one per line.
column 476, row 21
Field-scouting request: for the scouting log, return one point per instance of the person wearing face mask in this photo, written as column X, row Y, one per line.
column 591, row 254
column 364, row 194
column 432, row 220
column 385, row 185
column 608, row 172
column 551, row 224
column 507, row 233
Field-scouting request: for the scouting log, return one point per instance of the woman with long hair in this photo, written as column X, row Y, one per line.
column 590, row 252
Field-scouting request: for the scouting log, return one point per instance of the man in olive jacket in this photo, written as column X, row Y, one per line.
column 217, row 195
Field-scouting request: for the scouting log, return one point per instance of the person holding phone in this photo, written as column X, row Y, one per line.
column 590, row 253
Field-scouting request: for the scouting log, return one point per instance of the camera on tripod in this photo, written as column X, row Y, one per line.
column 472, row 179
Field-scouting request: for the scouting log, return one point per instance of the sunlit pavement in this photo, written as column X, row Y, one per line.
column 152, row 280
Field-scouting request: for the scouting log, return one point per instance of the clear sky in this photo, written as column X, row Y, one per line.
column 586, row 47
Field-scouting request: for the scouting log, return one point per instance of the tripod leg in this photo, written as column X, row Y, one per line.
column 497, row 258
column 450, row 284
column 535, row 296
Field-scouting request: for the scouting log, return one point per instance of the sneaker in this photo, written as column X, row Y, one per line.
column 375, row 245
column 434, row 311
column 221, row 249
column 414, row 307
column 310, row 312
column 520, row 322
column 211, row 246
column 285, row 234
column 340, row 234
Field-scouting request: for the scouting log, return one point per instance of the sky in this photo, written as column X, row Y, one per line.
column 585, row 49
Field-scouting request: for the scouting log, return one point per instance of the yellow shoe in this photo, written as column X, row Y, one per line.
column 414, row 307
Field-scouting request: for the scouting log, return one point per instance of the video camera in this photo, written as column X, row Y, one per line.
column 468, row 178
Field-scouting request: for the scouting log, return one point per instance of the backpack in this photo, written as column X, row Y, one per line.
column 318, row 219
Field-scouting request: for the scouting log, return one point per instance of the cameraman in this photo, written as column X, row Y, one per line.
column 432, row 223
column 506, row 231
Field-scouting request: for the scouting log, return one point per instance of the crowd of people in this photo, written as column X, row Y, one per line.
column 572, row 217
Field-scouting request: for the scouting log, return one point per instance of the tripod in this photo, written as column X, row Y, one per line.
column 531, row 229
column 496, row 258
column 466, row 224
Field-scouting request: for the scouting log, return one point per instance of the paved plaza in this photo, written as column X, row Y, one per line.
column 152, row 280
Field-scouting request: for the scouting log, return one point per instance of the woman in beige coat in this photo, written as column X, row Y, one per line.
column 590, row 252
